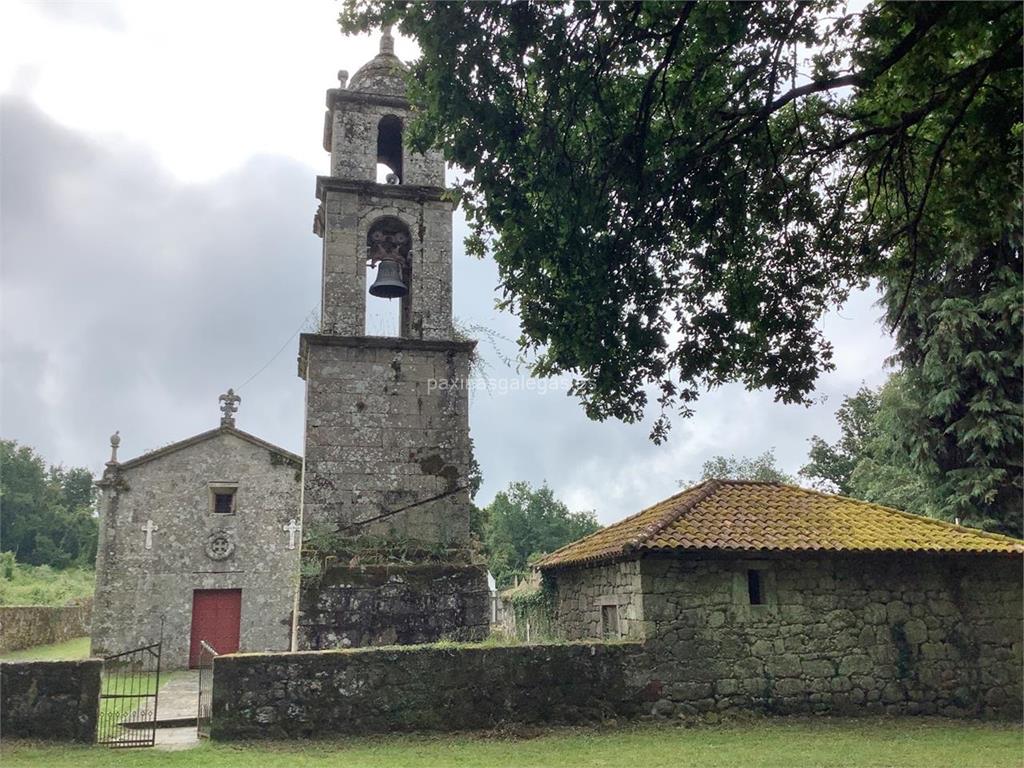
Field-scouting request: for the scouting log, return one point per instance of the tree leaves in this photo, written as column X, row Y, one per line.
column 672, row 202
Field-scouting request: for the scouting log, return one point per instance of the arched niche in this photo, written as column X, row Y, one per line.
column 389, row 144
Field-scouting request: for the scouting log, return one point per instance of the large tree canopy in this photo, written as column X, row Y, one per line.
column 675, row 193
column 876, row 459
column 760, row 468
column 523, row 522
column 46, row 514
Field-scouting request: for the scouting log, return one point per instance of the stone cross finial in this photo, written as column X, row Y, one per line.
column 115, row 440
column 292, row 528
column 387, row 42
column 229, row 406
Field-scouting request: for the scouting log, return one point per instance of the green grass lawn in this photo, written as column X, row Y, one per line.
column 778, row 743
column 76, row 648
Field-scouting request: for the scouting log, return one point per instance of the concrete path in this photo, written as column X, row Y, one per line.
column 178, row 703
column 179, row 698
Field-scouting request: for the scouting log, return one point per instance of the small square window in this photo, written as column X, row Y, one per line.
column 755, row 587
column 222, row 498
column 609, row 621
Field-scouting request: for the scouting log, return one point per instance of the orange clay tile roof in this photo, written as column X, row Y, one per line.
column 736, row 515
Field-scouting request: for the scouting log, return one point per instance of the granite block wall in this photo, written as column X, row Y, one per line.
column 320, row 695
column 393, row 604
column 22, row 626
column 50, row 700
column 583, row 595
column 387, row 438
column 845, row 634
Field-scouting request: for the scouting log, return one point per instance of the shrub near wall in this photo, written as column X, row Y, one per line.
column 369, row 690
column 50, row 700
column 23, row 626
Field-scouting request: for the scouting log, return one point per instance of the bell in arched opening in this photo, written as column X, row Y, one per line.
column 389, row 283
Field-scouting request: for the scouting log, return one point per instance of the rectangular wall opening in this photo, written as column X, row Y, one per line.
column 610, row 622
column 755, row 588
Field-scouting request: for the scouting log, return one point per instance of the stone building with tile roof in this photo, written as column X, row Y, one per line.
column 782, row 599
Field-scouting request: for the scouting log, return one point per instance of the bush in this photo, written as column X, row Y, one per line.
column 22, row 584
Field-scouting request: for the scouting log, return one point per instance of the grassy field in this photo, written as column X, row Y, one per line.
column 779, row 743
column 76, row 648
column 43, row 585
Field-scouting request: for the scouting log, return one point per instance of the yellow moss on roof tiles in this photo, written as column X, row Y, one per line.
column 734, row 515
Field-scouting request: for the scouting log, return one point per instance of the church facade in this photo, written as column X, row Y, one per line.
column 198, row 542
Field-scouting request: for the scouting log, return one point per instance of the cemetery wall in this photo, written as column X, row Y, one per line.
column 22, row 626
column 50, row 700
column 435, row 688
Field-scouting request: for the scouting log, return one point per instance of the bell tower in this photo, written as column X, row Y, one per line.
column 385, row 509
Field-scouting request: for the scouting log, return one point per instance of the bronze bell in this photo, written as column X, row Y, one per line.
column 389, row 283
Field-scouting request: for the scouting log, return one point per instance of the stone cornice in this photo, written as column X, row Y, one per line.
column 396, row 343
column 338, row 96
column 417, row 192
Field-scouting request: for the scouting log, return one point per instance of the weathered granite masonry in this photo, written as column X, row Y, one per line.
column 387, row 448
column 319, row 695
column 583, row 594
column 849, row 634
column 50, row 700
column 172, row 488
column 22, row 626
column 387, row 440
column 394, row 604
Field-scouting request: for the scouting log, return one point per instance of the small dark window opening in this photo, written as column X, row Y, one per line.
column 224, row 503
column 389, row 144
column 609, row 621
column 754, row 587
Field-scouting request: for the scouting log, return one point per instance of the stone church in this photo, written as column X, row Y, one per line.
column 200, row 539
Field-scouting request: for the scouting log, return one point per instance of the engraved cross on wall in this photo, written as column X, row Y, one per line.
column 292, row 528
column 149, row 529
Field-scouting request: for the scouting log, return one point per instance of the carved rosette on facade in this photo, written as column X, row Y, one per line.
column 220, row 545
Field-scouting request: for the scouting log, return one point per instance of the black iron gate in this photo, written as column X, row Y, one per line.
column 128, row 698
column 207, row 653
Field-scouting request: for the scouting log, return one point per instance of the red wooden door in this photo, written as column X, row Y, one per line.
column 216, row 618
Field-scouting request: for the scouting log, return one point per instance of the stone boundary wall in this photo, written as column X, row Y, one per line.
column 375, row 690
column 22, row 626
column 50, row 700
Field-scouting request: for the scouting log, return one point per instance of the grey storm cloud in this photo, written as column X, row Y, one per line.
column 132, row 299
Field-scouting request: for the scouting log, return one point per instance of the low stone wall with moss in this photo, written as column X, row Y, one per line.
column 50, row 700
column 437, row 688
column 22, row 626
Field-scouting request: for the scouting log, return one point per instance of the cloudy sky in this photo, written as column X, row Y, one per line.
column 157, row 166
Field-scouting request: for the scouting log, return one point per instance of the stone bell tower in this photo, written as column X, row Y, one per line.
column 386, row 555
